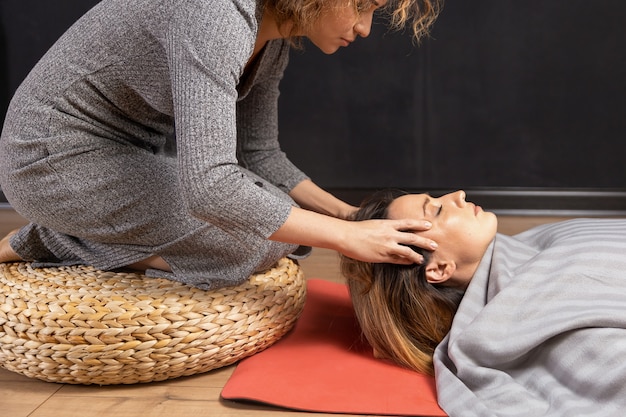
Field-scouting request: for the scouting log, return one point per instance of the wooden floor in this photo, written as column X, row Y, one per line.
column 195, row 396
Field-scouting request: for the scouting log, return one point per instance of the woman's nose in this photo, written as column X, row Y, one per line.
column 459, row 198
column 364, row 25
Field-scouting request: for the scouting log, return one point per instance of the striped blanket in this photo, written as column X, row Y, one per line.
column 541, row 330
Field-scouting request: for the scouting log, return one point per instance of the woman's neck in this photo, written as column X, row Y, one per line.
column 268, row 30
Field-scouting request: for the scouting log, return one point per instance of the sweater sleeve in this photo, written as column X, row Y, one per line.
column 208, row 46
column 257, row 131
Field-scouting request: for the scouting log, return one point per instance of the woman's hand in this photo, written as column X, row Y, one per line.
column 386, row 241
column 368, row 240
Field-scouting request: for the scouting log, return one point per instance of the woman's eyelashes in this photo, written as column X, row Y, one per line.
column 431, row 208
column 435, row 209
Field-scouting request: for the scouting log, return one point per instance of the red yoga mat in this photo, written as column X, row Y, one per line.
column 324, row 365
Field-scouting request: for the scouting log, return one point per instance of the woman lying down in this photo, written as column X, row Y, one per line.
column 526, row 325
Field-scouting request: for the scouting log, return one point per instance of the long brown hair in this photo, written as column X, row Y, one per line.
column 419, row 15
column 401, row 314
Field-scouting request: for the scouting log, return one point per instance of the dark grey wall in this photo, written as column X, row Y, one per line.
column 27, row 29
column 507, row 95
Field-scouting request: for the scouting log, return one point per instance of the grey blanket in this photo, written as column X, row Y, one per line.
column 542, row 328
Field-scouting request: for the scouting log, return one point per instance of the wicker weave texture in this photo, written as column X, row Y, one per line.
column 79, row 325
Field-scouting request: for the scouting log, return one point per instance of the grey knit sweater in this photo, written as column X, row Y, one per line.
column 130, row 78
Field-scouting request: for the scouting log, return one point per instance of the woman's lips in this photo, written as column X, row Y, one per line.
column 346, row 42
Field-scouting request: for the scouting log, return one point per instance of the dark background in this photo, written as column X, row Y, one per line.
column 520, row 103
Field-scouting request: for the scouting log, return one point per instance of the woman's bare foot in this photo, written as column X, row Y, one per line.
column 153, row 262
column 7, row 254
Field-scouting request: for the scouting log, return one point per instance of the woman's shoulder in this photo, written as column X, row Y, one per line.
column 251, row 10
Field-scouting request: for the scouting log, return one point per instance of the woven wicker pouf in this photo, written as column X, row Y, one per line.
column 78, row 325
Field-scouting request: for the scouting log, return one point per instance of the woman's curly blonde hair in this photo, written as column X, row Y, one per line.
column 419, row 15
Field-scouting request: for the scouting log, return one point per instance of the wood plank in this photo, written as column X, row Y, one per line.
column 511, row 225
column 20, row 396
column 322, row 264
column 10, row 220
column 171, row 398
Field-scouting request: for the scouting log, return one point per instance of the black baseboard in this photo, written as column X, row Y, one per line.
column 527, row 202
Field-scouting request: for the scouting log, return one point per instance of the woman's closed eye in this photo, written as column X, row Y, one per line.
column 432, row 209
column 436, row 209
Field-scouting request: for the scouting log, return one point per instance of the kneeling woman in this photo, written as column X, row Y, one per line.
column 147, row 137
column 528, row 325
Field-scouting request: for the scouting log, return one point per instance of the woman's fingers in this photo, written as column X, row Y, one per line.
column 410, row 237
column 414, row 239
column 407, row 256
column 412, row 225
column 388, row 241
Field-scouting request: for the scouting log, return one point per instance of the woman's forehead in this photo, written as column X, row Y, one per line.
column 408, row 204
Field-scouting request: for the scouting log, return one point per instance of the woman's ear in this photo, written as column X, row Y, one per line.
column 439, row 271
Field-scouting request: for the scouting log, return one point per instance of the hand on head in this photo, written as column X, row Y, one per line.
column 388, row 241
